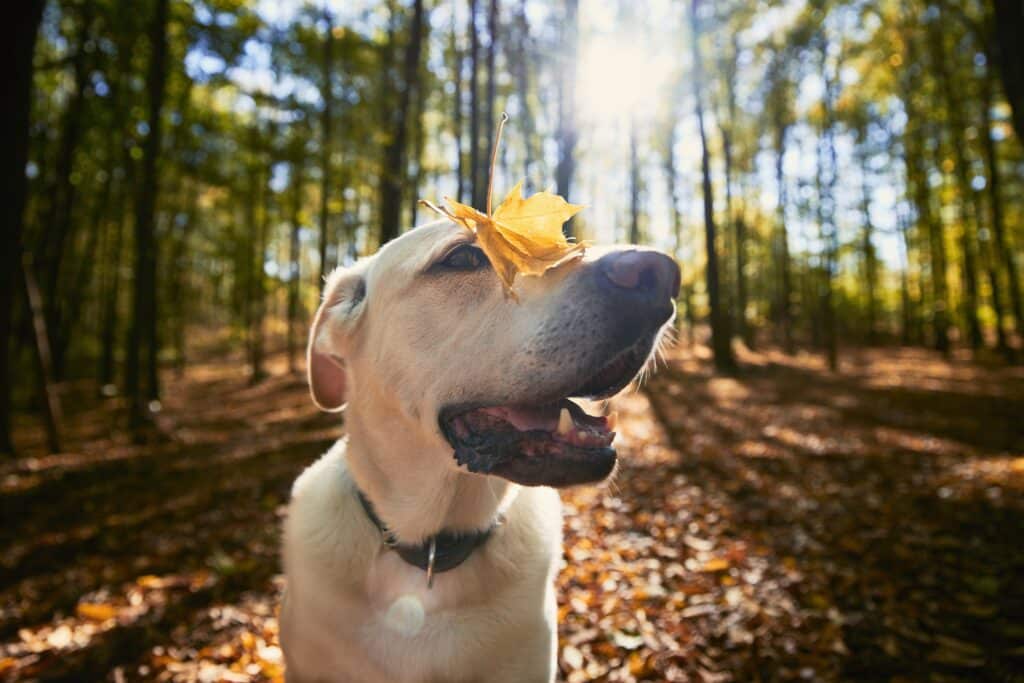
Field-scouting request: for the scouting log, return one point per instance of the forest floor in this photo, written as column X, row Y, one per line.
column 784, row 524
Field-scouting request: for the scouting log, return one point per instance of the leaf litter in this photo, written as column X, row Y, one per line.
column 730, row 546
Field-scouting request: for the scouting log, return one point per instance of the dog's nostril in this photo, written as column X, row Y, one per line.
column 648, row 280
column 639, row 271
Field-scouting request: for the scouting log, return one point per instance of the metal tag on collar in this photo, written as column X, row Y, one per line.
column 430, row 561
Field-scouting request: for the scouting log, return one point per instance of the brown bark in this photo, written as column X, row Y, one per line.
column 477, row 187
column 1004, row 252
column 143, row 342
column 492, row 90
column 566, row 133
column 57, row 225
column 920, row 195
column 634, row 186
column 720, row 343
column 460, row 161
column 395, row 154
column 326, row 141
column 44, row 361
column 956, row 125
column 1008, row 49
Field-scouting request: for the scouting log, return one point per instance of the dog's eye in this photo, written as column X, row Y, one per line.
column 465, row 257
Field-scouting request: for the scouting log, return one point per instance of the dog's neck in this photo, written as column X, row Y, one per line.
column 408, row 475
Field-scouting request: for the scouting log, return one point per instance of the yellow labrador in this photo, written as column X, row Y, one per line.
column 423, row 546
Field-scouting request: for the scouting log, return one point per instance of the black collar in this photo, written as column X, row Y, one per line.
column 449, row 548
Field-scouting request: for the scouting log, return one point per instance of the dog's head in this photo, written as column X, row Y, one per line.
column 424, row 344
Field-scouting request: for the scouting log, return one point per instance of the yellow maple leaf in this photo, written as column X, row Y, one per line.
column 523, row 235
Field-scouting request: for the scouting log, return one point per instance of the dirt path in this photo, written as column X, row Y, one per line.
column 785, row 524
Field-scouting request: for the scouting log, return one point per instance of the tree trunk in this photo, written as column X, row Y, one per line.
column 634, row 185
column 395, row 152
column 720, row 343
column 565, row 135
column 917, row 185
column 294, row 262
column 20, row 37
column 826, row 210
column 726, row 126
column 258, row 245
column 58, row 226
column 868, row 255
column 521, row 60
column 1009, row 53
column 956, row 126
column 144, row 314
column 476, row 186
column 457, row 104
column 1004, row 253
column 418, row 133
column 675, row 215
column 181, row 270
column 44, row 364
column 111, row 297
column 780, row 243
column 326, row 141
column 492, row 91
column 907, row 308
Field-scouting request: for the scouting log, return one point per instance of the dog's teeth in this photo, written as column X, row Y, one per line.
column 611, row 420
column 565, row 423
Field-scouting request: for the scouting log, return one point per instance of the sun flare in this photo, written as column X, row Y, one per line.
column 618, row 73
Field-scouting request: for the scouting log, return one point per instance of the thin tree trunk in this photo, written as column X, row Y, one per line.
column 521, row 61
column 907, row 312
column 258, row 237
column 57, row 223
column 783, row 306
column 1009, row 54
column 634, row 185
column 917, row 181
column 326, row 141
column 418, row 134
column 675, row 215
column 566, row 133
column 826, row 210
column 457, row 104
column 44, row 364
column 492, row 90
column 395, row 152
column 991, row 269
column 956, row 127
column 180, row 296
column 476, row 186
column 144, row 314
column 722, row 349
column 19, row 35
column 1004, row 252
column 294, row 264
column 868, row 255
column 108, row 334
column 58, row 226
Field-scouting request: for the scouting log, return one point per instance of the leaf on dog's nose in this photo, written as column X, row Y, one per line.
column 523, row 235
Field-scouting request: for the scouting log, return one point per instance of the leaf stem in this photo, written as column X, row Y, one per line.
column 494, row 155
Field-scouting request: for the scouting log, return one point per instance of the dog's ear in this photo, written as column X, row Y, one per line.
column 328, row 337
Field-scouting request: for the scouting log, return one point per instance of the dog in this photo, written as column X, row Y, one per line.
column 423, row 546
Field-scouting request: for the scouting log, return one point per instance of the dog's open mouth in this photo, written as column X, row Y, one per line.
column 548, row 443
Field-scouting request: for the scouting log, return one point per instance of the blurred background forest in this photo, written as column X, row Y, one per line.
column 841, row 181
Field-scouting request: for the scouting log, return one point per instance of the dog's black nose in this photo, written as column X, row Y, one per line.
column 647, row 278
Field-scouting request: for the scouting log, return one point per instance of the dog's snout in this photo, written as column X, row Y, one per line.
column 648, row 277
